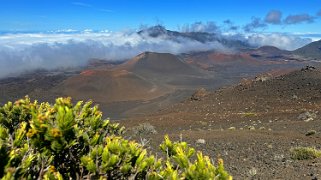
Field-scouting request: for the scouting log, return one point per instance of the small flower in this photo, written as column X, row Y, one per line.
column 52, row 169
column 43, row 126
column 55, row 132
column 41, row 118
column 31, row 133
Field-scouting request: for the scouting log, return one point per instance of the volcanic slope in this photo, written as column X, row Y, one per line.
column 110, row 86
column 252, row 125
column 137, row 79
column 247, row 62
column 140, row 84
column 160, row 63
column 165, row 68
column 312, row 50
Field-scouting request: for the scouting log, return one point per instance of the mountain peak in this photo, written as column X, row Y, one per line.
column 268, row 48
column 202, row 37
column 154, row 31
column 153, row 63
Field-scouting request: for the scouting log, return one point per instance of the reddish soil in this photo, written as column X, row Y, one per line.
column 110, row 86
column 87, row 73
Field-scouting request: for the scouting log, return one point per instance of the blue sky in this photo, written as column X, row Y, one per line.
column 52, row 34
column 117, row 15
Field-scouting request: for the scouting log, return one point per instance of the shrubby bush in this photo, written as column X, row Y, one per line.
column 304, row 153
column 143, row 129
column 66, row 141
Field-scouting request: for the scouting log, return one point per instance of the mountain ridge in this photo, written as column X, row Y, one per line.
column 202, row 37
column 312, row 50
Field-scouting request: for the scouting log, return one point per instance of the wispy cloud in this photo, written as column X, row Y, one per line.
column 255, row 24
column 86, row 5
column 229, row 25
column 273, row 17
column 299, row 18
column 82, row 4
column 43, row 16
column 199, row 26
column 106, row 10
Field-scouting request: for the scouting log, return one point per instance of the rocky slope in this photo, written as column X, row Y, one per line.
column 252, row 126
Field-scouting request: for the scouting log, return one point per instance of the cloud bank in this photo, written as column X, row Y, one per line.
column 282, row 41
column 20, row 52
column 70, row 48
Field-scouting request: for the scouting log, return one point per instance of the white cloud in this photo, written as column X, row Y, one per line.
column 20, row 52
column 273, row 17
column 314, row 36
column 282, row 41
column 199, row 26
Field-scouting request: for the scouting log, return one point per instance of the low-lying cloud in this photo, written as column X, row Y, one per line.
column 20, row 52
column 282, row 41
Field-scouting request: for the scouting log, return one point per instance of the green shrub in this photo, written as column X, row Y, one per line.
column 66, row 141
column 303, row 153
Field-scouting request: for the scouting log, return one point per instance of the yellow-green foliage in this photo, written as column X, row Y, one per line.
column 302, row 153
column 63, row 141
column 249, row 114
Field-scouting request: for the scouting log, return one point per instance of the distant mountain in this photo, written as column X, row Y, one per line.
column 140, row 78
column 160, row 63
column 247, row 62
column 139, row 85
column 268, row 53
column 203, row 37
column 312, row 50
column 271, row 50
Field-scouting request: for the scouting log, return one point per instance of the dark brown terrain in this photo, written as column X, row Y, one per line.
column 252, row 125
